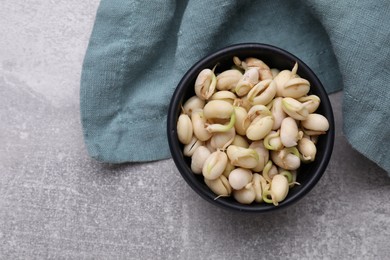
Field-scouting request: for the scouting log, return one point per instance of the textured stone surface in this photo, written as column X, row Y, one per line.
column 57, row 203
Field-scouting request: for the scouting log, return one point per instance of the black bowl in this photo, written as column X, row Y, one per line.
column 308, row 174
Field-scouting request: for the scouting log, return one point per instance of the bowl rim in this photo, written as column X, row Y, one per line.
column 174, row 144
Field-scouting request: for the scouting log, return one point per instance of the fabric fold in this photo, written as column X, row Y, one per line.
column 360, row 39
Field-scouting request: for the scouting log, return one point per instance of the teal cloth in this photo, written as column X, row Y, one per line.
column 139, row 50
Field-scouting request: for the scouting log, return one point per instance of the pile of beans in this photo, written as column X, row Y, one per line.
column 249, row 128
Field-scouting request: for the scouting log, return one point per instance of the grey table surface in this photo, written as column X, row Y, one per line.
column 57, row 203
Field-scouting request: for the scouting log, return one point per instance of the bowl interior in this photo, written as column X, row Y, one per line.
column 308, row 174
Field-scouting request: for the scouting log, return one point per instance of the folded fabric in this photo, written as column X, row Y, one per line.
column 139, row 50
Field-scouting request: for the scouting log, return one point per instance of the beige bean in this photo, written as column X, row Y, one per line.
column 199, row 125
column 282, row 78
column 240, row 141
column 294, row 108
column 184, row 129
column 205, row 84
column 316, row 122
column 242, row 120
column 258, row 111
column 198, row 159
column 257, row 186
column 224, row 95
column 289, row 134
column 239, row 178
column 264, row 70
column 269, row 171
column 279, row 188
column 246, row 195
column 287, row 158
column 262, row 153
column 219, row 186
column 214, row 165
column 192, row 104
column 311, row 102
column 240, row 64
column 307, row 149
column 248, row 80
column 277, row 113
column 273, row 171
column 218, row 109
column 190, row 148
column 295, row 88
column 262, row 93
column 221, row 140
column 242, row 157
column 228, row 79
column 259, row 128
column 273, row 141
